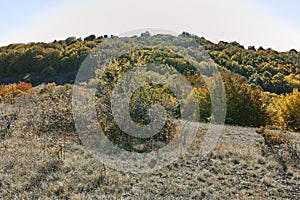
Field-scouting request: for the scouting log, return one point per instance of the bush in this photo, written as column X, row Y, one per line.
column 285, row 110
column 8, row 92
column 48, row 108
column 280, row 145
column 244, row 102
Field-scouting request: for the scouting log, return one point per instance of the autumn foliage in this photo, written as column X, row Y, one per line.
column 284, row 110
column 259, row 83
column 7, row 92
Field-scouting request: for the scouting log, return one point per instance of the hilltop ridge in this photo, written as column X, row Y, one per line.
column 59, row 61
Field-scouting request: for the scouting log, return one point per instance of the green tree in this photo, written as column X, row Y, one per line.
column 244, row 102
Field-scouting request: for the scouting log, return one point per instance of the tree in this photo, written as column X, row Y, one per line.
column 285, row 110
column 244, row 102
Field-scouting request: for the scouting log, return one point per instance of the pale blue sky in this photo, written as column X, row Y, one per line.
column 287, row 10
column 14, row 14
column 266, row 23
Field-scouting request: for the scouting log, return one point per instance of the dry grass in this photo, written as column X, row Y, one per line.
column 45, row 160
column 282, row 145
column 273, row 137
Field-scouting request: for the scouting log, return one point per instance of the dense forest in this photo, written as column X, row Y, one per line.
column 262, row 85
column 277, row 72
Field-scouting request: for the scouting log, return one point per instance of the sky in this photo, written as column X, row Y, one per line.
column 268, row 23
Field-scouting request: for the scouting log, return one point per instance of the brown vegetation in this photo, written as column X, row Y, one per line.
column 46, row 160
column 10, row 91
column 282, row 146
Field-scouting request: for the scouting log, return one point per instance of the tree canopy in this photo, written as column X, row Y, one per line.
column 262, row 85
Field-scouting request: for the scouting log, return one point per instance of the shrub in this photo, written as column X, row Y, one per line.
column 285, row 110
column 244, row 102
column 281, row 145
column 48, row 108
column 272, row 137
column 8, row 92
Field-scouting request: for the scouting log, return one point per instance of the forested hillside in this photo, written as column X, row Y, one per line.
column 277, row 72
column 261, row 84
column 274, row 71
column 43, row 62
column 53, row 129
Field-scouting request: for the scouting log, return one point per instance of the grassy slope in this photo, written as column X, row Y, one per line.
column 237, row 168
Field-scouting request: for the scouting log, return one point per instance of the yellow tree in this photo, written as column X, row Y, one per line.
column 285, row 110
